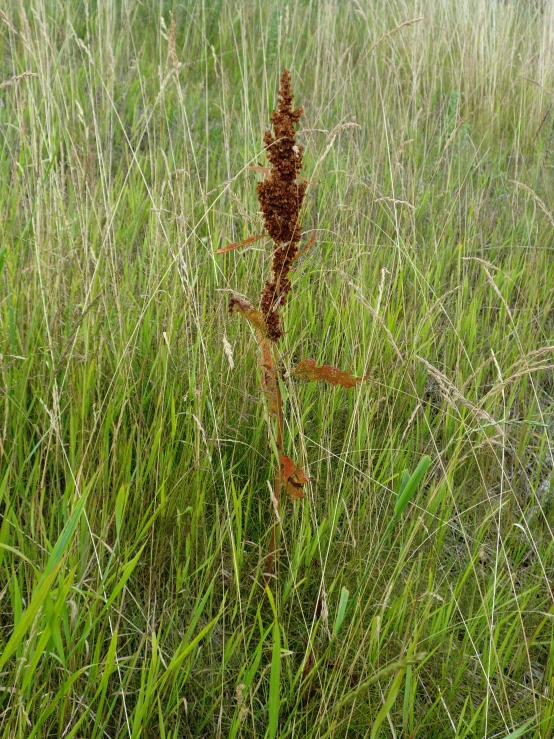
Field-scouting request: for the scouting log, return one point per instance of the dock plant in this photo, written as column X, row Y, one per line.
column 281, row 196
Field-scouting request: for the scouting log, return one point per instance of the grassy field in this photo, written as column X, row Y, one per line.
column 134, row 457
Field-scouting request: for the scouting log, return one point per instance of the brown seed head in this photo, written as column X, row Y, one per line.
column 280, row 198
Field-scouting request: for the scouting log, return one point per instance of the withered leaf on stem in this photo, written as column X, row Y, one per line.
column 293, row 477
column 306, row 248
column 308, row 370
column 267, row 363
column 238, row 244
column 246, row 309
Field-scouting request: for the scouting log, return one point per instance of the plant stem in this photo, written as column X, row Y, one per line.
column 277, row 482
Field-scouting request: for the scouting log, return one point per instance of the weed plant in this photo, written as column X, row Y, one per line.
column 134, row 462
column 281, row 196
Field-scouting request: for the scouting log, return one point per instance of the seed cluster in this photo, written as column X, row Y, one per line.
column 280, row 197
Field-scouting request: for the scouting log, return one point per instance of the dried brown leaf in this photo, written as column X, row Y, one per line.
column 252, row 315
column 288, row 466
column 265, row 170
column 306, row 248
column 267, row 363
column 294, row 490
column 293, row 477
column 307, row 370
column 238, row 244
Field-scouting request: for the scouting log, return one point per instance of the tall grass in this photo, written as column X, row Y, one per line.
column 133, row 461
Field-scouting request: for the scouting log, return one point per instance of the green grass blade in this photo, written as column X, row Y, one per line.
column 388, row 704
column 409, row 486
column 521, row 730
column 37, row 601
column 275, row 683
column 63, row 540
column 341, row 611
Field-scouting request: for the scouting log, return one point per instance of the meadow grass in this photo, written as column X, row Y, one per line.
column 134, row 462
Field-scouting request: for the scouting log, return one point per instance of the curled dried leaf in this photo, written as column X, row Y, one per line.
column 308, row 370
column 288, row 467
column 252, row 315
column 294, row 490
column 293, row 477
column 267, row 363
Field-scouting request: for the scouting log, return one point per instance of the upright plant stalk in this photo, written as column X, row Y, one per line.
column 277, row 482
column 281, row 196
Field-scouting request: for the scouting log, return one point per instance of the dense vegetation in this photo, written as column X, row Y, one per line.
column 134, row 457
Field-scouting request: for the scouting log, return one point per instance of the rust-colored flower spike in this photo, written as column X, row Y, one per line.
column 280, row 197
